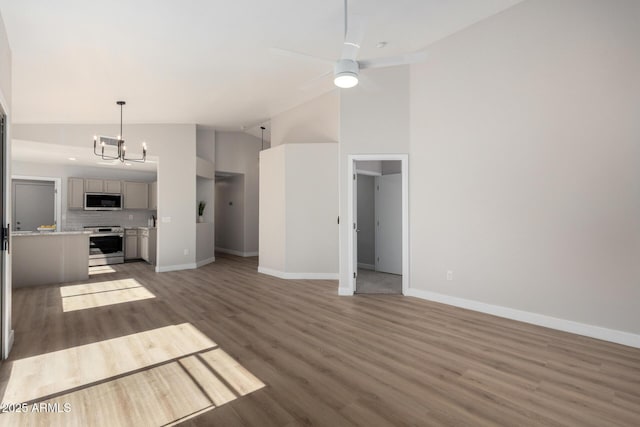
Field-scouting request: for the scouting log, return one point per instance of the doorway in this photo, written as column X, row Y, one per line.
column 35, row 202
column 378, row 211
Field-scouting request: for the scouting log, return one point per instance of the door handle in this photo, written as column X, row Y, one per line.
column 357, row 230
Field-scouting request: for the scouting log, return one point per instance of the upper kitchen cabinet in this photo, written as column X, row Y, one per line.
column 75, row 193
column 102, row 186
column 94, row 185
column 136, row 195
column 153, row 195
column 111, row 186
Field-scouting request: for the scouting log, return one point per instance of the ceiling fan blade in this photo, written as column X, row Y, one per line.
column 353, row 37
column 315, row 81
column 294, row 54
column 390, row 61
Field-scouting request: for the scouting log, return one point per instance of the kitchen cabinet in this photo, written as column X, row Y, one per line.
column 136, row 195
column 75, row 193
column 131, row 249
column 144, row 246
column 112, row 186
column 147, row 244
column 153, row 195
column 92, row 185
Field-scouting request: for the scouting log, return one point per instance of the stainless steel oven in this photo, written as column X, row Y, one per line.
column 106, row 245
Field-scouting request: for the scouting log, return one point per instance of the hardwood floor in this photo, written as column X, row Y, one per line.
column 226, row 346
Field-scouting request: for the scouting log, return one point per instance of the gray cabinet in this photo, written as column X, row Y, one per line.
column 112, row 186
column 136, row 195
column 153, row 195
column 148, row 244
column 140, row 243
column 131, row 249
column 93, row 185
column 144, row 246
column 75, row 193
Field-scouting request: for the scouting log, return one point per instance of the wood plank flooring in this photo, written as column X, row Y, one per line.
column 226, row 346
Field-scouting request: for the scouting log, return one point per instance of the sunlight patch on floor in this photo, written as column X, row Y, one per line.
column 161, row 395
column 101, row 269
column 99, row 294
column 39, row 376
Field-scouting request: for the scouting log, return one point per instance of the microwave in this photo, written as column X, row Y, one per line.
column 102, row 202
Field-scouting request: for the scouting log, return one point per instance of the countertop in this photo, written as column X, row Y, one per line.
column 48, row 233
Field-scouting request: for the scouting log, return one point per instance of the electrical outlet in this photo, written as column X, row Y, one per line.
column 186, row 251
column 166, row 219
column 449, row 275
column 130, row 217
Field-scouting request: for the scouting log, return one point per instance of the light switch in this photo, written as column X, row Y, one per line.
column 166, row 219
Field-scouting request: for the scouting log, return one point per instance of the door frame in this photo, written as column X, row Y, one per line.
column 57, row 186
column 351, row 169
column 6, row 332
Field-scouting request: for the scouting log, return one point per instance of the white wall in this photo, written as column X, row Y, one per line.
column 5, row 102
column 238, row 152
column 312, row 208
column 175, row 147
column 5, row 67
column 526, row 131
column 272, row 250
column 298, row 219
column 230, row 214
column 374, row 119
column 315, row 121
column 205, row 191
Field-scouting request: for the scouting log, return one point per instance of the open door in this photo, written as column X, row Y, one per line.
column 355, row 228
column 389, row 223
column 4, row 227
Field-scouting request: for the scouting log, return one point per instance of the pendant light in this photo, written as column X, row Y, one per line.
column 118, row 143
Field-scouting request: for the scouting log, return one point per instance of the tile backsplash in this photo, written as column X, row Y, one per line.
column 75, row 220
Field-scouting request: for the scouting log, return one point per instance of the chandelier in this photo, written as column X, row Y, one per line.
column 120, row 152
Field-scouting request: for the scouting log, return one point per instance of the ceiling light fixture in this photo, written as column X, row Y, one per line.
column 72, row 158
column 345, row 73
column 118, row 143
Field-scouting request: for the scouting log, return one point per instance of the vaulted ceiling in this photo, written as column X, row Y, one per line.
column 200, row 61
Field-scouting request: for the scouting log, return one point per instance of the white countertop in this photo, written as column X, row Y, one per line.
column 48, row 233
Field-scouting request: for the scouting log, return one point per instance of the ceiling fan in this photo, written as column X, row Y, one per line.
column 346, row 70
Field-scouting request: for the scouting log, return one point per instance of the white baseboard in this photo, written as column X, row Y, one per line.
column 176, row 267
column 366, row 266
column 236, row 253
column 298, row 276
column 345, row 292
column 205, row 262
column 612, row 335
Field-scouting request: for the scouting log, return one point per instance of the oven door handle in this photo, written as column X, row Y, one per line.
column 106, row 235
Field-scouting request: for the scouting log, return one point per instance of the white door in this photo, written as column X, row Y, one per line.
column 389, row 223
column 33, row 204
column 354, row 226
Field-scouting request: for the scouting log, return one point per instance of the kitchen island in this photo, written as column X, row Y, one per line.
column 44, row 258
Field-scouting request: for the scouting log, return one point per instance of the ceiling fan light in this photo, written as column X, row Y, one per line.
column 346, row 80
column 346, row 73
